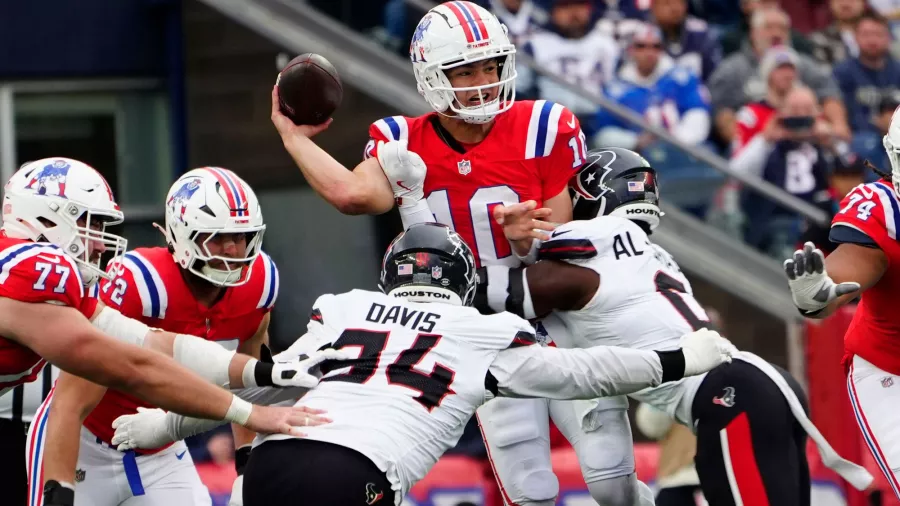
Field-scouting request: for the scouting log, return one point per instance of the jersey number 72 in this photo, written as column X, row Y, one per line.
column 432, row 387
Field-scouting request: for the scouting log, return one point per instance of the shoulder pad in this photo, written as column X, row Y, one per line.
column 150, row 286
column 497, row 331
column 269, row 271
column 871, row 209
column 586, row 239
column 35, row 272
column 544, row 127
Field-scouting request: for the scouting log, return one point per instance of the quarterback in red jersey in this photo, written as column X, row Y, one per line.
column 53, row 237
column 211, row 281
column 484, row 163
column 866, row 260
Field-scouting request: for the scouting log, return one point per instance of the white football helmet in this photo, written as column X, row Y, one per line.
column 58, row 200
column 213, row 200
column 459, row 33
column 892, row 146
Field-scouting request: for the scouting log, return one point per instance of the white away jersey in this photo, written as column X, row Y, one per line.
column 419, row 377
column 644, row 301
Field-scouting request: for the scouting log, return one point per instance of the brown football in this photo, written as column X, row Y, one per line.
column 309, row 89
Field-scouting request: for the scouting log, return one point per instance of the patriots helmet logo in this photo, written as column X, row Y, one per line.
column 416, row 45
column 57, row 172
column 181, row 196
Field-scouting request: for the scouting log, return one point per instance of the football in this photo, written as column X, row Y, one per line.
column 309, row 89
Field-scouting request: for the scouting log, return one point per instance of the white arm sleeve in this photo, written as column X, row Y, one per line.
column 553, row 373
column 179, row 427
column 415, row 213
column 115, row 324
column 694, row 126
column 751, row 159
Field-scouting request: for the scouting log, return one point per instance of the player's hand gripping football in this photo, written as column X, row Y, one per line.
column 303, row 371
column 286, row 127
column 811, row 287
column 705, row 349
column 404, row 169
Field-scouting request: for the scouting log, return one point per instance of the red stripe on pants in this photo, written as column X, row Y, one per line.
column 743, row 462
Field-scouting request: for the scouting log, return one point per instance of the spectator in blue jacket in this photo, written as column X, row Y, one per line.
column 685, row 38
column 650, row 84
column 867, row 78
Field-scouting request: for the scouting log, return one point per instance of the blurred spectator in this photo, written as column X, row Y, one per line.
column 792, row 153
column 874, row 74
column 722, row 14
column 778, row 69
column 676, row 477
column 890, row 9
column 667, row 95
column 736, row 37
column 837, row 41
column 849, row 171
column 218, row 474
column 736, row 81
column 868, row 144
column 573, row 49
column 685, row 38
column 521, row 17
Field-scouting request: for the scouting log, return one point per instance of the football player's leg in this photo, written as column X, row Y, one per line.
column 100, row 476
column 874, row 396
column 601, row 436
column 746, row 447
column 166, row 478
column 517, row 436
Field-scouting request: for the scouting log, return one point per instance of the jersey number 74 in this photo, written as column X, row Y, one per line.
column 432, row 388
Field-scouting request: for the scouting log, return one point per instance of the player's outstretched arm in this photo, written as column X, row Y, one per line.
column 601, row 371
column 210, row 360
column 820, row 285
column 364, row 190
column 64, row 337
column 73, row 400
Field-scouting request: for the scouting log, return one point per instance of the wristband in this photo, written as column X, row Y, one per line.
column 241, row 457
column 239, row 411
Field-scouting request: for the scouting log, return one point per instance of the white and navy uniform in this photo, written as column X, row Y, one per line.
column 589, row 62
column 645, row 302
column 423, row 370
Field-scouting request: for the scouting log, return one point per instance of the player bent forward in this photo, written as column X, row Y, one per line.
column 421, row 372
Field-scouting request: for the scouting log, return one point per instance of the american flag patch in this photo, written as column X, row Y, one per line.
column 404, row 269
column 635, row 186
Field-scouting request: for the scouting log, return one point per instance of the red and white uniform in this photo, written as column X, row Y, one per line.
column 35, row 272
column 530, row 154
column 150, row 287
column 872, row 343
column 751, row 120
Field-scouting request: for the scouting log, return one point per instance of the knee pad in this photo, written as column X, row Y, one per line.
column 531, row 487
column 551, row 502
column 619, row 491
column 607, row 452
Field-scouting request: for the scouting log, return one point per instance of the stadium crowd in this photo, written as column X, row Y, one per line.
column 720, row 75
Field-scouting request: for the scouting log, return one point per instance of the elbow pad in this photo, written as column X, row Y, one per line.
column 121, row 327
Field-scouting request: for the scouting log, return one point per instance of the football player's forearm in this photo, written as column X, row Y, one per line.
column 210, row 360
column 350, row 191
column 555, row 373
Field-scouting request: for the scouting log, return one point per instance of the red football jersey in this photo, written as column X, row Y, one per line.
column 35, row 272
column 750, row 121
column 149, row 287
column 874, row 333
column 530, row 154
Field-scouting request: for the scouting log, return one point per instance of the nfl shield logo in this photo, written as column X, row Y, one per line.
column 436, row 272
column 464, row 166
column 79, row 475
column 887, row 382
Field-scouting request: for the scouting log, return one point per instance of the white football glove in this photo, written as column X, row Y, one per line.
column 705, row 349
column 811, row 287
column 404, row 169
column 145, row 429
column 237, row 492
column 303, row 371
